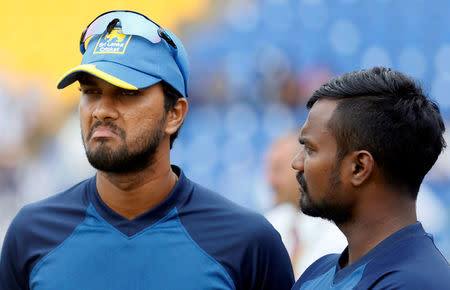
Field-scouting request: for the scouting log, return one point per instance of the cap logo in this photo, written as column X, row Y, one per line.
column 114, row 42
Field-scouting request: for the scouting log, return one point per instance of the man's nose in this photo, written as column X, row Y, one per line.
column 298, row 161
column 105, row 108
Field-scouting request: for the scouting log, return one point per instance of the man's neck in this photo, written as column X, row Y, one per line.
column 374, row 223
column 131, row 194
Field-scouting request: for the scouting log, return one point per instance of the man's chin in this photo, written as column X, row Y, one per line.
column 120, row 160
column 308, row 210
column 103, row 158
column 307, row 207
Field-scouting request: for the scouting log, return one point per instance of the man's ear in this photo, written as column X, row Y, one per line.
column 362, row 166
column 175, row 116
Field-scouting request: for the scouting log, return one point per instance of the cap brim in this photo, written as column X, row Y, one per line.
column 113, row 73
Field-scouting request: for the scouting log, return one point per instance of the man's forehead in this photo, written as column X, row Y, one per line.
column 319, row 115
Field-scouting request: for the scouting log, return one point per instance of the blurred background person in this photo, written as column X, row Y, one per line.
column 305, row 238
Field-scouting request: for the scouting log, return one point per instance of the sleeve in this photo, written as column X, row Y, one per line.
column 12, row 276
column 267, row 264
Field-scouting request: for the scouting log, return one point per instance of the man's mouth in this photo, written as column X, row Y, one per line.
column 103, row 132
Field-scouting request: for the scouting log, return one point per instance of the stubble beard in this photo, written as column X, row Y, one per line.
column 337, row 212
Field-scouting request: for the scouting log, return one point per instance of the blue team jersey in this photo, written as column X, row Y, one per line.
column 408, row 259
column 194, row 239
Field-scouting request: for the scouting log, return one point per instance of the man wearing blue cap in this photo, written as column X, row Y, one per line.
column 140, row 223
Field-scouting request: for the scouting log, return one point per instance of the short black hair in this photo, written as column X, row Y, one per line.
column 171, row 96
column 386, row 113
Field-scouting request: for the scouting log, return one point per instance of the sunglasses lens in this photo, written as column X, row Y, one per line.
column 132, row 23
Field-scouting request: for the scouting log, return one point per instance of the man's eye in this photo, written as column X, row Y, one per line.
column 130, row 92
column 90, row 91
column 308, row 150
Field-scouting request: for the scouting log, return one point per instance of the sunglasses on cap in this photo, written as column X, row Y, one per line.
column 132, row 23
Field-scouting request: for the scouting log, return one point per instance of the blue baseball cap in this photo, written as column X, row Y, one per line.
column 132, row 61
